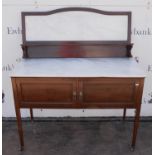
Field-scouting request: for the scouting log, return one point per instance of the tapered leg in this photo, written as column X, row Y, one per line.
column 20, row 130
column 124, row 114
column 31, row 114
column 135, row 128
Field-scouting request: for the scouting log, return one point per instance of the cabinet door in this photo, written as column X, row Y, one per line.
column 55, row 92
column 109, row 92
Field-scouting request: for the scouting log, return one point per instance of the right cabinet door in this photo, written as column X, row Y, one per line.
column 110, row 92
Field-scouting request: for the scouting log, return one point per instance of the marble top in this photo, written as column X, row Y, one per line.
column 78, row 67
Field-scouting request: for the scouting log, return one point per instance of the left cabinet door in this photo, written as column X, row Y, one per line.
column 46, row 92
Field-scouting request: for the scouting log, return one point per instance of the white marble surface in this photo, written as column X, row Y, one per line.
column 78, row 67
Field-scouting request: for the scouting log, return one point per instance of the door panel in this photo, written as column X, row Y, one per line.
column 108, row 92
column 46, row 90
column 112, row 91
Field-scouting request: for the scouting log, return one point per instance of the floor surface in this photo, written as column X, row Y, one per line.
column 76, row 138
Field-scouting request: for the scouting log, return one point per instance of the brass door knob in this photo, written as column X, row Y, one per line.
column 74, row 95
column 136, row 84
